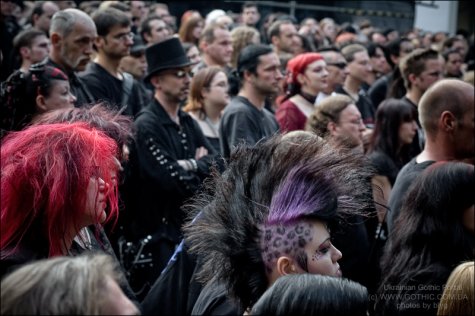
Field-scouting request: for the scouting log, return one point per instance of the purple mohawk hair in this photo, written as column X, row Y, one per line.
column 307, row 191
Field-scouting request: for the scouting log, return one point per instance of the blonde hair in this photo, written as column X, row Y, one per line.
column 458, row 296
column 241, row 37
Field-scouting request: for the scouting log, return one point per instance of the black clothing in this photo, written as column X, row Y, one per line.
column 78, row 86
column 405, row 178
column 353, row 240
column 243, row 122
column 213, row 300
column 385, row 165
column 364, row 105
column 104, row 86
column 9, row 28
column 176, row 290
column 158, row 185
column 378, row 91
column 420, row 296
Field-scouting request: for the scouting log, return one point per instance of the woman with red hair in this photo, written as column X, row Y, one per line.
column 306, row 77
column 56, row 180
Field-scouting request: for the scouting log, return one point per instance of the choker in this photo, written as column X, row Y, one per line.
column 310, row 98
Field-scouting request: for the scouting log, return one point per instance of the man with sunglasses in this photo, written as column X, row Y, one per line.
column 136, row 65
column 337, row 72
column 103, row 77
column 169, row 160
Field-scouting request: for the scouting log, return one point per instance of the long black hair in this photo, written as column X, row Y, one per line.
column 429, row 238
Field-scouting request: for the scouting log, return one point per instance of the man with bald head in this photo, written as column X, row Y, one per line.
column 447, row 117
column 72, row 33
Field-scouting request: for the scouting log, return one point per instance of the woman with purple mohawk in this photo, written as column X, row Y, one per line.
column 269, row 215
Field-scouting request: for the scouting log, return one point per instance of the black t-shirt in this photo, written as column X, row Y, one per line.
column 405, row 178
column 385, row 165
column 243, row 122
column 105, row 87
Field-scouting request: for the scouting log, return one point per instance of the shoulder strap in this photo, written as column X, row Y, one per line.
column 127, row 83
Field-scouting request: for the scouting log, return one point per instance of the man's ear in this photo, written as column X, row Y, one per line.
column 448, row 121
column 99, row 42
column 55, row 38
column 285, row 265
column 25, row 52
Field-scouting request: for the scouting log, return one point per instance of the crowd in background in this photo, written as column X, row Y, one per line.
column 232, row 163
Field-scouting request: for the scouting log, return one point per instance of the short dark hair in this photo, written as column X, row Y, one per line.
column 248, row 59
column 145, row 26
column 26, row 37
column 248, row 4
column 309, row 294
column 105, row 19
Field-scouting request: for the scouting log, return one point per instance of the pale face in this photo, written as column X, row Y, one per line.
column 407, row 131
column 76, row 48
column 39, row 49
column 193, row 54
column 217, row 93
column 96, row 202
column 197, row 30
column 314, row 78
column 135, row 64
column 173, row 84
column 158, row 32
column 60, row 96
column 349, row 129
column 115, row 302
column 337, row 70
column 322, row 256
column 221, row 49
column 453, row 66
column 379, row 63
column 268, row 75
column 117, row 43
column 138, row 9
column 287, row 39
column 360, row 68
column 250, row 16
column 432, row 74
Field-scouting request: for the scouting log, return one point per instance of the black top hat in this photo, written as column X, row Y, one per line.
column 165, row 55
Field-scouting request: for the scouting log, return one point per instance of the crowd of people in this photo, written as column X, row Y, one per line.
column 232, row 164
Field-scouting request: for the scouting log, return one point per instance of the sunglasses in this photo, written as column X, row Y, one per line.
column 338, row 65
column 137, row 54
column 180, row 74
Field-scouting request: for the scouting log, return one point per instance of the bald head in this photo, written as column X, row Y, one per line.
column 450, row 95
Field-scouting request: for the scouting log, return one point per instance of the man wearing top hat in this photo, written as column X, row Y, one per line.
column 168, row 162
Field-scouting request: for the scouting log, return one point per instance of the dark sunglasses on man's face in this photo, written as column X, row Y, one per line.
column 137, row 54
column 179, row 73
column 338, row 65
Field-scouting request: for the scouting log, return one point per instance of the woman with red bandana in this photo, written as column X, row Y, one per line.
column 306, row 77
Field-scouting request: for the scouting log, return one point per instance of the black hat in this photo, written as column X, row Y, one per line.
column 138, row 45
column 165, row 55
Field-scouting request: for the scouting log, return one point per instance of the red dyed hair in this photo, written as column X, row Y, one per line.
column 46, row 170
